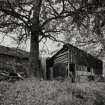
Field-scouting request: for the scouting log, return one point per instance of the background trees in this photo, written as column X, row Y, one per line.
column 41, row 19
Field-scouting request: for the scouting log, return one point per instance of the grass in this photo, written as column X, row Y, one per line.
column 36, row 92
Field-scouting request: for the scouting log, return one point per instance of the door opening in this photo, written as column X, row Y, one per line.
column 72, row 70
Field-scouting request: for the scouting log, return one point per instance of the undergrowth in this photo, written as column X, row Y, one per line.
column 36, row 92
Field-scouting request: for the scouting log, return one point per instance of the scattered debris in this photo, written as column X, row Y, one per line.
column 11, row 76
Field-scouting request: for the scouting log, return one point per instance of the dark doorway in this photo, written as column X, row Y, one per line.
column 49, row 64
column 88, row 69
column 72, row 70
column 59, row 70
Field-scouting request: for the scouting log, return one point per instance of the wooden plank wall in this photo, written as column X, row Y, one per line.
column 74, row 56
column 82, row 58
column 82, row 73
column 62, row 57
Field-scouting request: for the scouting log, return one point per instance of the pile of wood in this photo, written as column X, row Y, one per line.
column 11, row 76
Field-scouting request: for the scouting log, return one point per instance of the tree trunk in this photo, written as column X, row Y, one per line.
column 34, row 49
column 34, row 56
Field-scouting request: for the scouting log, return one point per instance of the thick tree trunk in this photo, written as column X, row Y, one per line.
column 34, row 49
column 34, row 56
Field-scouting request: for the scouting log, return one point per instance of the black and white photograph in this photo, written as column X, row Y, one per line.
column 52, row 52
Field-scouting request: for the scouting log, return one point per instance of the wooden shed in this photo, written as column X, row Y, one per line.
column 12, row 59
column 76, row 64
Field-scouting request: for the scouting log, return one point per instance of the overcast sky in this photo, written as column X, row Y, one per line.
column 8, row 42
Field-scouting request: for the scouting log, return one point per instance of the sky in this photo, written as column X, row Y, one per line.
column 50, row 46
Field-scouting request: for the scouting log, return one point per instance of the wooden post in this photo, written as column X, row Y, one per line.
column 51, row 73
column 68, row 63
column 68, row 70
